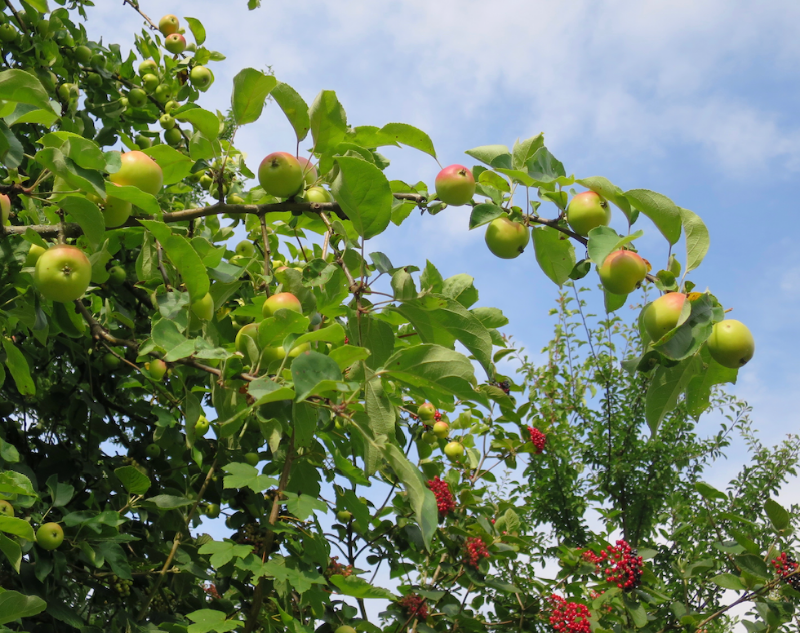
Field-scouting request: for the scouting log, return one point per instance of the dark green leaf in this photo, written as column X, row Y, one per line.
column 667, row 385
column 250, row 90
column 728, row 581
column 135, row 482
column 12, row 551
column 14, row 605
column 483, row 214
column 18, row 368
column 87, row 215
column 777, row 514
column 310, row 370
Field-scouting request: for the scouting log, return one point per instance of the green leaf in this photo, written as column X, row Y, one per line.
column 380, row 417
column 304, row 423
column 698, row 393
column 197, row 29
column 483, row 214
column 660, row 209
column 667, row 385
column 753, row 565
column 18, row 368
column 313, row 372
column 610, row 192
column 294, row 108
column 77, row 177
column 15, row 483
column 544, row 167
column 182, row 254
column 206, row 620
column 135, row 481
column 25, row 113
column 492, row 155
column 728, row 581
column 636, row 611
column 175, row 165
column 223, row 552
column 17, row 527
column 525, row 150
column 709, row 492
column 11, row 150
column 8, row 452
column 138, row 198
column 364, row 194
column 602, row 242
column 777, row 514
column 12, row 551
column 554, row 252
column 328, row 122
column 265, row 391
column 346, row 355
column 169, row 502
column 203, row 121
column 87, row 215
column 360, row 588
column 246, row 476
column 304, row 506
column 684, row 340
column 24, row 87
column 697, row 240
column 14, row 605
column 250, row 90
column 409, row 135
column 85, row 152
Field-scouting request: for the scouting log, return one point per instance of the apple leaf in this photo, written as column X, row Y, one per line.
column 76, row 176
column 85, row 152
column 524, row 151
column 169, row 502
column 203, row 121
column 250, row 90
column 554, row 252
column 17, row 527
column 14, row 605
column 346, row 355
column 602, row 240
column 138, row 198
column 328, row 121
column 182, row 254
column 660, row 209
column 610, row 192
column 135, row 481
column 697, row 240
column 483, row 214
column 174, row 165
column 11, row 150
column 728, row 581
column 198, row 30
column 18, row 367
column 12, row 550
column 492, row 155
column 409, row 135
column 698, row 392
column 544, row 167
column 265, row 390
column 777, row 514
column 364, row 194
column 293, row 106
column 310, row 370
column 24, row 87
column 667, row 385
column 87, row 215
column 246, row 476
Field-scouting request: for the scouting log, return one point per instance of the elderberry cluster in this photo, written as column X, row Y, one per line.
column 414, row 605
column 538, row 439
column 785, row 565
column 120, row 585
column 568, row 617
column 505, row 386
column 444, row 498
column 252, row 534
column 475, row 551
column 622, row 566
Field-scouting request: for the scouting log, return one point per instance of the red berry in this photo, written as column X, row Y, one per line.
column 444, row 498
column 414, row 605
column 785, row 565
column 475, row 551
column 538, row 439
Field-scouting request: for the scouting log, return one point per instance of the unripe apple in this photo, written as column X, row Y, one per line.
column 149, row 82
column 426, row 411
column 98, row 61
column 117, row 275
column 142, row 141
column 248, row 331
column 8, row 33
column 157, row 369
column 662, row 315
column 34, row 254
column 49, row 536
column 455, row 185
column 168, row 25
column 429, row 437
column 245, row 248
column 201, row 426
column 622, row 271
column 203, row 308
column 6, row 509
column 171, row 106
column 318, row 194
column 441, row 429
column 454, row 450
column 110, row 361
column 280, row 175
column 173, row 136
column 137, row 98
column 731, row 344
column 148, row 67
column 587, row 211
column 139, row 170
column 175, row 43
column 201, row 77
column 5, row 208
column 344, row 516
column 345, row 629
column 506, row 239
column 163, row 93
column 282, row 300
column 212, row 510
column 67, row 92
column 166, row 121
column 62, row 273
column 309, row 171
column 152, row 450
column 83, row 55
column 116, row 212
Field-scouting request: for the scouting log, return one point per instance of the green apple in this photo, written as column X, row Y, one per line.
column 168, row 25
column 49, row 536
column 426, row 411
column 345, row 629
column 454, row 450
column 68, row 91
column 5, row 208
column 117, row 275
column 318, row 194
column 166, row 121
column 83, row 55
column 62, row 273
column 171, row 106
column 731, row 344
column 116, row 212
column 212, row 510
column 344, row 516
column 110, row 361
column 662, row 315
column 201, row 77
column 157, row 368
column 245, row 248
column 248, row 331
column 137, row 98
column 506, row 239
column 6, row 509
column 309, row 171
column 140, row 171
column 152, row 450
column 280, row 175
column 201, row 426
column 173, row 136
column 429, row 437
column 455, row 185
column 175, row 43
column 8, row 33
column 251, row 458
column 622, row 271
column 142, row 141
column 587, row 211
column 34, row 253
column 281, row 301
column 203, row 308
column 441, row 429
column 148, row 67
column 150, row 82
column 163, row 93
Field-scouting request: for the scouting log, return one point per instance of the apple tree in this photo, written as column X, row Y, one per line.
column 157, row 374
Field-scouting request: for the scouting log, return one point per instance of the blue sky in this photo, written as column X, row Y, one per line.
column 697, row 101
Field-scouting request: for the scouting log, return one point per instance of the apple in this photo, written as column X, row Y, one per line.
column 343, row 516
column 173, row 136
column 34, row 253
column 117, row 275
column 622, row 271
column 166, row 121
column 137, row 98
column 309, row 171
column 429, row 437
column 6, row 509
column 49, row 536
column 506, row 238
column 201, row 77
column 171, row 106
column 116, row 212
column 282, row 300
column 245, row 248
column 203, row 308
column 110, row 361
column 455, row 185
column 62, row 273
column 152, row 450
column 83, row 55
column 67, row 92
column 157, row 369
column 318, row 194
column 345, row 629
column 206, row 181
column 5, row 208
column 454, row 450
column 149, row 82
column 175, row 43
column 201, row 426
column 212, row 510
column 662, row 315
column 731, row 344
column 426, row 411
column 139, row 170
column 251, row 458
column 280, row 175
column 142, row 141
column 163, row 93
column 587, row 211
column 8, row 33
column 148, row 67
column 277, row 354
column 248, row 331
column 441, row 429
column 235, row 199
column 168, row 25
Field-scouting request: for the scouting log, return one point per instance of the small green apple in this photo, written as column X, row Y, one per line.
column 203, row 308
column 62, row 273
column 152, row 450
column 248, row 331
column 344, row 516
column 251, row 458
column 454, row 450
column 441, row 429
column 731, row 344
column 137, row 98
column 201, row 77
column 318, row 194
column 201, row 426
column 245, row 248
column 587, row 211
column 149, row 83
column 212, row 510
column 49, row 536
column 280, row 175
column 157, row 368
column 117, row 275
column 173, row 136
column 83, row 55
column 426, row 411
column 505, row 238
column 148, row 67
column 6, row 509
column 110, row 361
column 34, row 253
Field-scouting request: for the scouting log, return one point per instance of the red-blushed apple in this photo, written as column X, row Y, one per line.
column 248, row 331
column 168, row 25
column 62, row 273
column 455, row 185
column 506, row 239
column 441, row 429
column 34, row 253
column 201, row 77
column 309, row 171
column 6, row 509
column 662, row 315
column 622, row 271
column 5, row 208
column 280, row 175
column 731, row 344
column 587, row 211
column 282, row 300
column 201, row 426
column 157, row 369
column 49, row 536
column 426, row 411
column 140, row 171
column 175, row 43
column 454, row 450
column 203, row 308
column 318, row 194
column 251, row 458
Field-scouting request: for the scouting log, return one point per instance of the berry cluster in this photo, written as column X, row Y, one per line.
column 444, row 498
column 505, row 386
column 475, row 551
column 164, row 601
column 120, row 585
column 785, row 565
column 252, row 534
column 437, row 416
column 414, row 605
column 335, row 568
column 568, row 617
column 623, row 566
column 537, row 438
